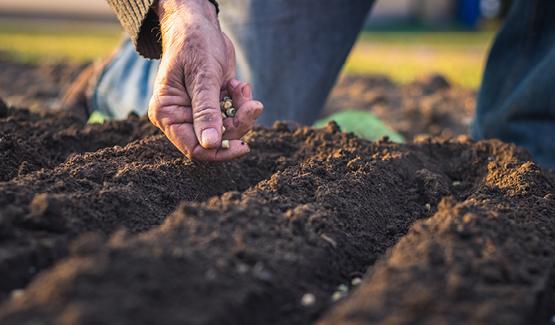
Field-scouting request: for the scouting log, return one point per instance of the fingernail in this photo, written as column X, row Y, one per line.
column 209, row 138
column 246, row 91
column 234, row 83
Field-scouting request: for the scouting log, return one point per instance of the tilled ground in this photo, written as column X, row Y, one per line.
column 430, row 105
column 109, row 224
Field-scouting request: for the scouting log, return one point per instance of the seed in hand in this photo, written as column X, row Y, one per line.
column 226, row 103
column 230, row 112
column 226, row 106
column 225, row 144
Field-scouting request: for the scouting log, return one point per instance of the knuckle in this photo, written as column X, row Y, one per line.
column 205, row 113
column 154, row 112
column 192, row 155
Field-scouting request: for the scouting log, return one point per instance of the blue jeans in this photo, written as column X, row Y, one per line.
column 516, row 102
column 291, row 51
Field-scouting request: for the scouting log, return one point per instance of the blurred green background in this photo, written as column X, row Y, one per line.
column 403, row 56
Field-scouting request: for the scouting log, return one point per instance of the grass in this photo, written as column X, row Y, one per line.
column 44, row 41
column 403, row 56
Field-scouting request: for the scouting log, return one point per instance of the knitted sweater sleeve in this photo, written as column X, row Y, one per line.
column 141, row 23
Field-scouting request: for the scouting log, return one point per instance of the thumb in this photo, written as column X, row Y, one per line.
column 207, row 117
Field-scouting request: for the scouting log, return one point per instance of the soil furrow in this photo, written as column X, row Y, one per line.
column 248, row 258
column 30, row 142
column 134, row 187
column 487, row 260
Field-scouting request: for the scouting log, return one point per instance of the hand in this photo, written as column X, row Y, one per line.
column 196, row 71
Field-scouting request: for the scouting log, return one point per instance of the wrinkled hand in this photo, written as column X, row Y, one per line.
column 196, row 71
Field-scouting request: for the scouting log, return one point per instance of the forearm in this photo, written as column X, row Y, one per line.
column 140, row 19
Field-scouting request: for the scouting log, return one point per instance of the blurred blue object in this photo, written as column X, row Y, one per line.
column 469, row 12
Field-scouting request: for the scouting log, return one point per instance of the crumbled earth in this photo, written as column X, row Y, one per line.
column 430, row 105
column 440, row 231
column 35, row 86
column 110, row 224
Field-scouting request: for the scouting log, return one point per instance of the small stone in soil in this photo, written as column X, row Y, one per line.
column 16, row 294
column 308, row 299
column 329, row 240
column 342, row 288
column 337, row 296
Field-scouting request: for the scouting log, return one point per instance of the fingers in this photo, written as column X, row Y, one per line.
column 244, row 121
column 207, row 118
column 247, row 113
column 183, row 137
column 169, row 96
column 240, row 92
column 237, row 148
column 165, row 116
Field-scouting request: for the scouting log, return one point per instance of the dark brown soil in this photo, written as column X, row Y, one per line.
column 305, row 212
column 35, row 86
column 109, row 224
column 430, row 105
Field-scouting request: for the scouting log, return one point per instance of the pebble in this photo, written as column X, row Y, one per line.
column 337, row 296
column 356, row 281
column 329, row 240
column 16, row 294
column 308, row 299
column 428, row 206
column 342, row 288
column 242, row 268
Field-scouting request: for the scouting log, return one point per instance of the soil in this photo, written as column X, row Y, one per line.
column 110, row 224
column 35, row 86
column 431, row 105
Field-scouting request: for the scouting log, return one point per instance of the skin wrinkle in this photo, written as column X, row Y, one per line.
column 198, row 63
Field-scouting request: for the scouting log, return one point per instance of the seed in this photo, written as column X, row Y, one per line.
column 308, row 299
column 16, row 294
column 230, row 112
column 428, row 207
column 224, row 115
column 223, row 129
column 225, row 144
column 337, row 296
column 356, row 281
column 226, row 103
column 342, row 288
column 242, row 268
